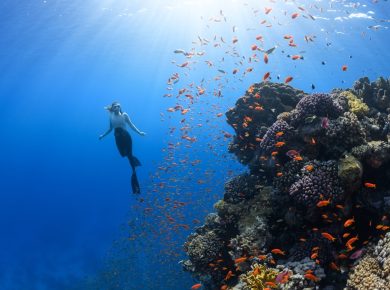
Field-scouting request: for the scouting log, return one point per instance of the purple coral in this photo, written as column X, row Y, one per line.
column 322, row 180
column 322, row 105
column 270, row 138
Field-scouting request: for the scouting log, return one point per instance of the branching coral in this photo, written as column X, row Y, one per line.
column 260, row 277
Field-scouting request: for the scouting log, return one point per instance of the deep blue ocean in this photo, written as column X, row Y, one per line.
column 68, row 218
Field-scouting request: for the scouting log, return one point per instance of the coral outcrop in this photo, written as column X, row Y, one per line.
column 316, row 194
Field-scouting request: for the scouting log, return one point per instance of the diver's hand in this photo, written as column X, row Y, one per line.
column 142, row 133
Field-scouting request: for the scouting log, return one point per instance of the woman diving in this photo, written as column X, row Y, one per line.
column 118, row 122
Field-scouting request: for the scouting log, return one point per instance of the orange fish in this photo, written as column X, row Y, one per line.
column 254, row 47
column 298, row 158
column 328, row 237
column 311, row 277
column 278, row 134
column 266, row 76
column 314, row 256
column 280, row 144
column 196, row 286
column 287, row 37
column 235, row 71
column 342, row 256
column 346, row 235
column 259, row 37
column 288, row 79
column 279, row 174
column 294, row 15
column 259, row 108
column 224, row 287
column 229, row 275
column 271, row 284
column 274, row 153
column 351, row 241
column 339, row 206
column 278, row 252
column 267, row 10
column 349, row 222
column 240, row 260
column 344, row 68
column 265, row 58
column 323, row 203
column 309, row 167
column 370, row 185
column 296, row 56
column 333, row 266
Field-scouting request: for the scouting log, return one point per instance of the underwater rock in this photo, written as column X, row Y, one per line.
column 350, row 172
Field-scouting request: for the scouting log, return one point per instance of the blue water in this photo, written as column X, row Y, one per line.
column 66, row 197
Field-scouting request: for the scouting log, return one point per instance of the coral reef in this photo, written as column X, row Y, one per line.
column 317, row 193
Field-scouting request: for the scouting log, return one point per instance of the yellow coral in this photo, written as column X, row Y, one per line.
column 259, row 276
column 356, row 106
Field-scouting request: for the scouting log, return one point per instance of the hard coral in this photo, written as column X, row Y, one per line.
column 356, row 105
column 322, row 180
column 321, row 105
column 376, row 94
column 373, row 270
column 258, row 277
column 345, row 132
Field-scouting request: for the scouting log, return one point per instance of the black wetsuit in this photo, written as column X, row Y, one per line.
column 125, row 146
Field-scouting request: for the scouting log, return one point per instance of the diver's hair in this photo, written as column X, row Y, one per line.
column 109, row 107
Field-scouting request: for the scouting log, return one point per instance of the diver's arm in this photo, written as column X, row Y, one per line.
column 132, row 126
column 106, row 133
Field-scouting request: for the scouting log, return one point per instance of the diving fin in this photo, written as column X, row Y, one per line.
column 134, row 161
column 135, row 184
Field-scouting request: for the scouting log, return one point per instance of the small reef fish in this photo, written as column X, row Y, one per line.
column 294, row 15
column 266, row 76
column 323, row 203
column 278, row 252
column 344, row 68
column 311, row 277
column 370, row 185
column 292, row 153
column 196, row 286
column 288, row 79
column 325, row 123
column 349, row 222
column 309, row 167
column 240, row 260
column 357, row 254
column 265, row 58
column 280, row 144
column 328, row 237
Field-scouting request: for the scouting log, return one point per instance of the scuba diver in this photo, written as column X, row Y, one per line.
column 118, row 122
